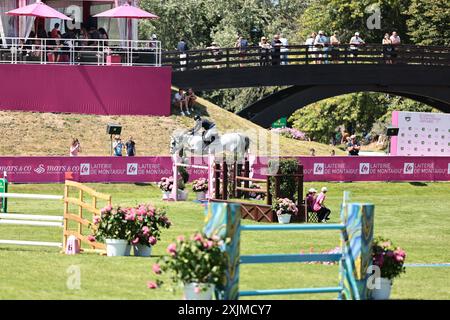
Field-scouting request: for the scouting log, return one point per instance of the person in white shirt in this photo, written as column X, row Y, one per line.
column 395, row 41
column 395, row 38
column 180, row 100
column 355, row 43
column 284, row 49
column 320, row 43
column 310, row 43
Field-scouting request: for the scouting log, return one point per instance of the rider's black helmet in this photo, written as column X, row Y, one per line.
column 197, row 117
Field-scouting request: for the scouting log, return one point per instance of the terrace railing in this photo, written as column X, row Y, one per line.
column 97, row 52
column 305, row 54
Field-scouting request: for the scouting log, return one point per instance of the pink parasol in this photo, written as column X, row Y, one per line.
column 126, row 11
column 38, row 9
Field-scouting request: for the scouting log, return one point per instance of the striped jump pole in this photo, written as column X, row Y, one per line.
column 356, row 229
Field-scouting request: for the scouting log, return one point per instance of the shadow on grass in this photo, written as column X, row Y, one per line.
column 418, row 184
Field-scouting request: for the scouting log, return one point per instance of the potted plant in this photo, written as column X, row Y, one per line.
column 390, row 259
column 166, row 185
column 114, row 226
column 197, row 263
column 284, row 208
column 146, row 229
column 200, row 187
column 182, row 194
column 119, row 227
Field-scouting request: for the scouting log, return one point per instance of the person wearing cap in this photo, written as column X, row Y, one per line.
column 265, row 48
column 353, row 146
column 209, row 133
column 355, row 43
column 321, row 42
column 319, row 206
column 311, row 199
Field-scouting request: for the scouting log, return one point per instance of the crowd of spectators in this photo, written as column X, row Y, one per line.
column 320, row 47
column 117, row 147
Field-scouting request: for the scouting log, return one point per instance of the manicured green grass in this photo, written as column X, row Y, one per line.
column 416, row 217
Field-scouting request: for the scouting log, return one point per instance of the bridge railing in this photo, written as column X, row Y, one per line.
column 100, row 52
column 304, row 54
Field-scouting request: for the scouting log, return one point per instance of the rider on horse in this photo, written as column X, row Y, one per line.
column 210, row 131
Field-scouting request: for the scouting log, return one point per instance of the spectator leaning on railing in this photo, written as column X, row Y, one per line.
column 355, row 43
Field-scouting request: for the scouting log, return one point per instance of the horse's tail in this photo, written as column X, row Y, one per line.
column 247, row 143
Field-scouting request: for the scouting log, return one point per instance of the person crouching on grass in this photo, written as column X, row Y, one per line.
column 319, row 206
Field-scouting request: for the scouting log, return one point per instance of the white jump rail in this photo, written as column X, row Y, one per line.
column 30, row 196
column 31, row 219
column 209, row 167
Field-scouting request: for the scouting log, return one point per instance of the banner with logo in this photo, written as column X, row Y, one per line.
column 421, row 134
column 152, row 169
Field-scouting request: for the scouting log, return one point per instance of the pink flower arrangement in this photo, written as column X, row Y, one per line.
column 152, row 285
column 166, row 184
column 139, row 225
column 290, row 133
column 200, row 185
column 388, row 258
column 284, row 206
column 195, row 259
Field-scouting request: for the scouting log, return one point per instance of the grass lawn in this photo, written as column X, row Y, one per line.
column 415, row 216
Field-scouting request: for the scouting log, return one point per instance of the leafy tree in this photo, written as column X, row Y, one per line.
column 357, row 112
column 347, row 17
column 428, row 22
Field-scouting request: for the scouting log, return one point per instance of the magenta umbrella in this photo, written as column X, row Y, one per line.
column 38, row 9
column 126, row 11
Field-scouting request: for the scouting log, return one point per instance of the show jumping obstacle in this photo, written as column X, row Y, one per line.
column 241, row 187
column 217, row 178
column 31, row 219
column 356, row 229
column 79, row 218
column 65, row 222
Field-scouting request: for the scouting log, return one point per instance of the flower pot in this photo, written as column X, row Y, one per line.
column 128, row 250
column 166, row 195
column 201, row 195
column 198, row 291
column 141, row 250
column 182, row 195
column 384, row 291
column 284, row 218
column 116, row 247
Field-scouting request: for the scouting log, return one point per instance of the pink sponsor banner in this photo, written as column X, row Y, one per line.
column 152, row 169
column 102, row 90
column 389, row 168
